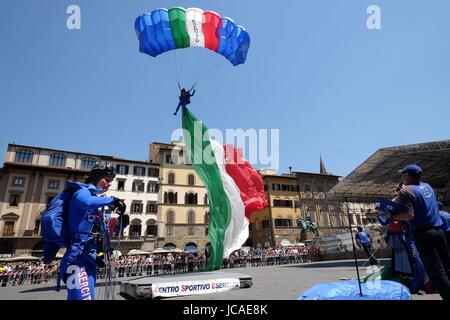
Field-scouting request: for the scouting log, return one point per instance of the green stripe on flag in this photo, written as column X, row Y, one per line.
column 203, row 161
column 177, row 18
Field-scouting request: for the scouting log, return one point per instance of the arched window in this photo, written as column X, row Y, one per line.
column 191, row 248
column 152, row 228
column 191, row 180
column 171, row 178
column 87, row 163
column 170, row 197
column 191, row 217
column 170, row 217
column 24, row 156
column 58, row 160
column 169, row 246
column 190, row 198
column 135, row 228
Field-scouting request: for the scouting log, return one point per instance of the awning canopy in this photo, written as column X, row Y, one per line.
column 20, row 258
column 169, row 250
column 136, row 252
column 378, row 175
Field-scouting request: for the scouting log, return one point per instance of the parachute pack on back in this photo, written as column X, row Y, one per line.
column 54, row 222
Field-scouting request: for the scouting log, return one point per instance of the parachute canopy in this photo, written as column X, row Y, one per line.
column 163, row 30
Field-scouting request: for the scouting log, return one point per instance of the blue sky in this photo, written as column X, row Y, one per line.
column 314, row 71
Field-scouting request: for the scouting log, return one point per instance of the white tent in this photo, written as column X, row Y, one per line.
column 136, row 252
column 21, row 258
column 171, row 250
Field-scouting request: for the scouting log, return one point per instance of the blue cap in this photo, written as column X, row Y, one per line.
column 412, row 168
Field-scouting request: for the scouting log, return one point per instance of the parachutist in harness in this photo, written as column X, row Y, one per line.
column 185, row 99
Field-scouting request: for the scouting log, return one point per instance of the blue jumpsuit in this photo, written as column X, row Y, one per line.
column 78, row 266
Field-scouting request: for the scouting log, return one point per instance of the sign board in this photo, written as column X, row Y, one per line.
column 185, row 288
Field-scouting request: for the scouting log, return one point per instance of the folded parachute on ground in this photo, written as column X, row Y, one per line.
column 349, row 290
column 164, row 30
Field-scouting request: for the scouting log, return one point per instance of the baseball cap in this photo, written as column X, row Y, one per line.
column 411, row 168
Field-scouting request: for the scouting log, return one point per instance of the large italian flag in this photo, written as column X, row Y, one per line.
column 234, row 188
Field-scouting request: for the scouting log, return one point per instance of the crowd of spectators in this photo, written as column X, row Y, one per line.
column 20, row 273
column 16, row 274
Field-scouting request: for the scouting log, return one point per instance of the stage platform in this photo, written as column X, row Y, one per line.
column 172, row 285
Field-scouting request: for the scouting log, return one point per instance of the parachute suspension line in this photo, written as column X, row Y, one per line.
column 108, row 285
column 218, row 64
column 214, row 69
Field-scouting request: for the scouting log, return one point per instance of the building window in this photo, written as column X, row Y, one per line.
column 136, row 207
column 8, row 229
column 53, row 184
column 18, row 182
column 191, row 231
column 191, row 217
column 37, row 227
column 205, row 200
column 152, row 229
column 265, row 224
column 138, row 186
column 151, row 207
column 139, row 171
column 282, row 203
column 57, row 160
column 171, row 178
column 325, row 219
column 276, row 186
column 191, row 180
column 152, row 187
column 122, row 169
column 313, row 216
column 206, row 218
column 337, row 217
column 171, row 159
column 24, row 156
column 169, row 231
column 170, row 197
column 14, row 199
column 283, row 223
column 121, row 185
column 170, row 217
column 190, row 198
column 87, row 163
column 153, row 172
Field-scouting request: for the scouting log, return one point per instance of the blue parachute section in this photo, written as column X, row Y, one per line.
column 164, row 37
column 349, row 290
column 224, row 33
column 239, row 46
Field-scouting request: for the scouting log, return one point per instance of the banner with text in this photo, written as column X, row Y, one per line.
column 185, row 288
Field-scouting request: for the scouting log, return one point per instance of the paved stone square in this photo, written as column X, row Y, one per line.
column 281, row 282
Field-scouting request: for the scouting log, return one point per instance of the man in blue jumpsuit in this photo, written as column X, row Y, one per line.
column 366, row 243
column 445, row 216
column 78, row 266
column 421, row 212
column 185, row 99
